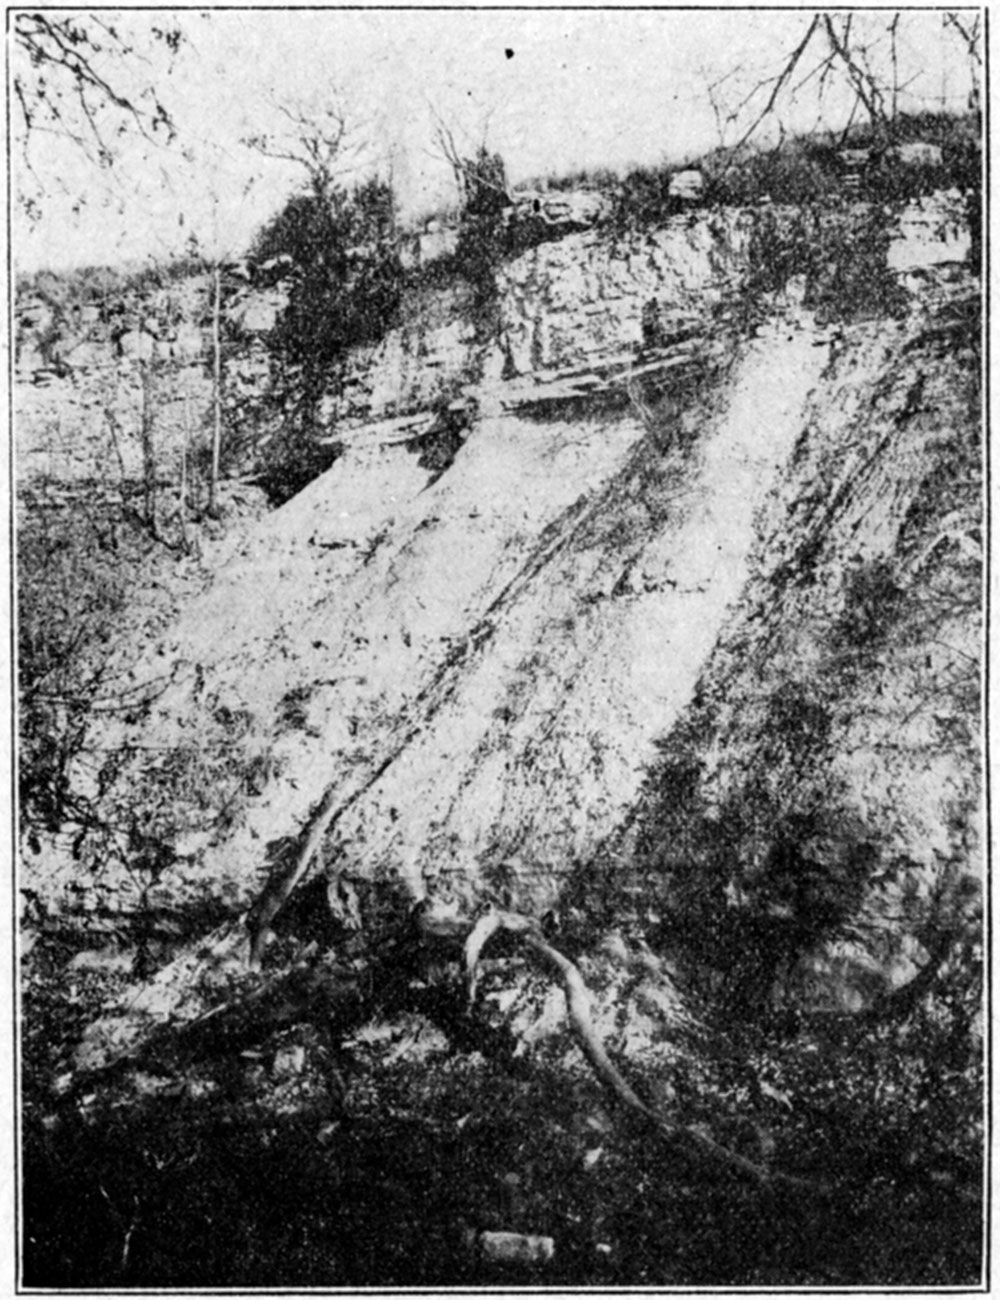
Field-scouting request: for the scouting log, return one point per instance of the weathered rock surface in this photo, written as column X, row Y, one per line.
column 568, row 303
column 832, row 750
column 762, row 569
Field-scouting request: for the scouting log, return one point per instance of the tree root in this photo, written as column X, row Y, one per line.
column 579, row 1006
column 342, row 997
column 331, row 808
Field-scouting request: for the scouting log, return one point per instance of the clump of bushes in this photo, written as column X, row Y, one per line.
column 208, row 1185
column 74, row 572
column 807, row 170
column 82, row 578
column 482, row 236
column 643, row 199
column 338, row 257
column 841, row 253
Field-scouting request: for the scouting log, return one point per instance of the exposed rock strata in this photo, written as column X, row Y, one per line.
column 484, row 659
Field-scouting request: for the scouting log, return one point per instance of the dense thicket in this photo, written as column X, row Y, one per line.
column 336, row 252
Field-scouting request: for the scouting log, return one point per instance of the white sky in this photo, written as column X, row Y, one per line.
column 586, row 87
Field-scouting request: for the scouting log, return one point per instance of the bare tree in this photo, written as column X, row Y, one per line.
column 851, row 57
column 713, row 86
column 446, row 147
column 85, row 78
column 336, row 242
column 146, row 434
column 216, row 246
column 465, row 159
column 213, row 487
column 968, row 28
column 318, row 134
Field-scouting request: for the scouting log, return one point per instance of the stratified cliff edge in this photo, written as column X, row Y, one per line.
column 685, row 631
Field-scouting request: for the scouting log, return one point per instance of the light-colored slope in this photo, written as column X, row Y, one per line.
column 541, row 746
column 831, row 763
column 354, row 599
column 510, row 639
column 525, row 630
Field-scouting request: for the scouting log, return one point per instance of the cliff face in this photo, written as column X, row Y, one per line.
column 692, row 633
column 79, row 391
column 568, row 304
column 572, row 302
column 829, row 764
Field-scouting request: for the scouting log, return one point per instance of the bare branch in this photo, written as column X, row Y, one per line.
column 62, row 87
column 711, row 89
column 969, row 34
column 444, row 138
column 779, row 82
column 319, row 137
column 865, row 86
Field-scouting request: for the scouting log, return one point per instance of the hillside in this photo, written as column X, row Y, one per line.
column 663, row 646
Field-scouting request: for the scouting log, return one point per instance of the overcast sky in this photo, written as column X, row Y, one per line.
column 563, row 89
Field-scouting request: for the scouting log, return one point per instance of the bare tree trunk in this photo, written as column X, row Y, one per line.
column 185, row 445
column 148, row 450
column 893, row 29
column 184, row 465
column 969, row 31
column 213, row 488
column 111, row 420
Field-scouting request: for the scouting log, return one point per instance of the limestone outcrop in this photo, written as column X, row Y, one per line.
column 575, row 618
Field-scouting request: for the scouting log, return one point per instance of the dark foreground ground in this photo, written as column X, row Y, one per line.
column 297, row 1166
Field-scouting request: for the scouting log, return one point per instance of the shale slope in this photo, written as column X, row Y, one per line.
column 699, row 627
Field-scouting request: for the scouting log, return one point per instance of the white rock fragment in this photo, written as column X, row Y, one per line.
column 290, row 1061
column 515, row 1248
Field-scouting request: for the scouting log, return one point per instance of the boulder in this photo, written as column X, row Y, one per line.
column 689, row 186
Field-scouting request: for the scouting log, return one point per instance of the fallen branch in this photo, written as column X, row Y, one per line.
column 337, row 997
column 579, row 1006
